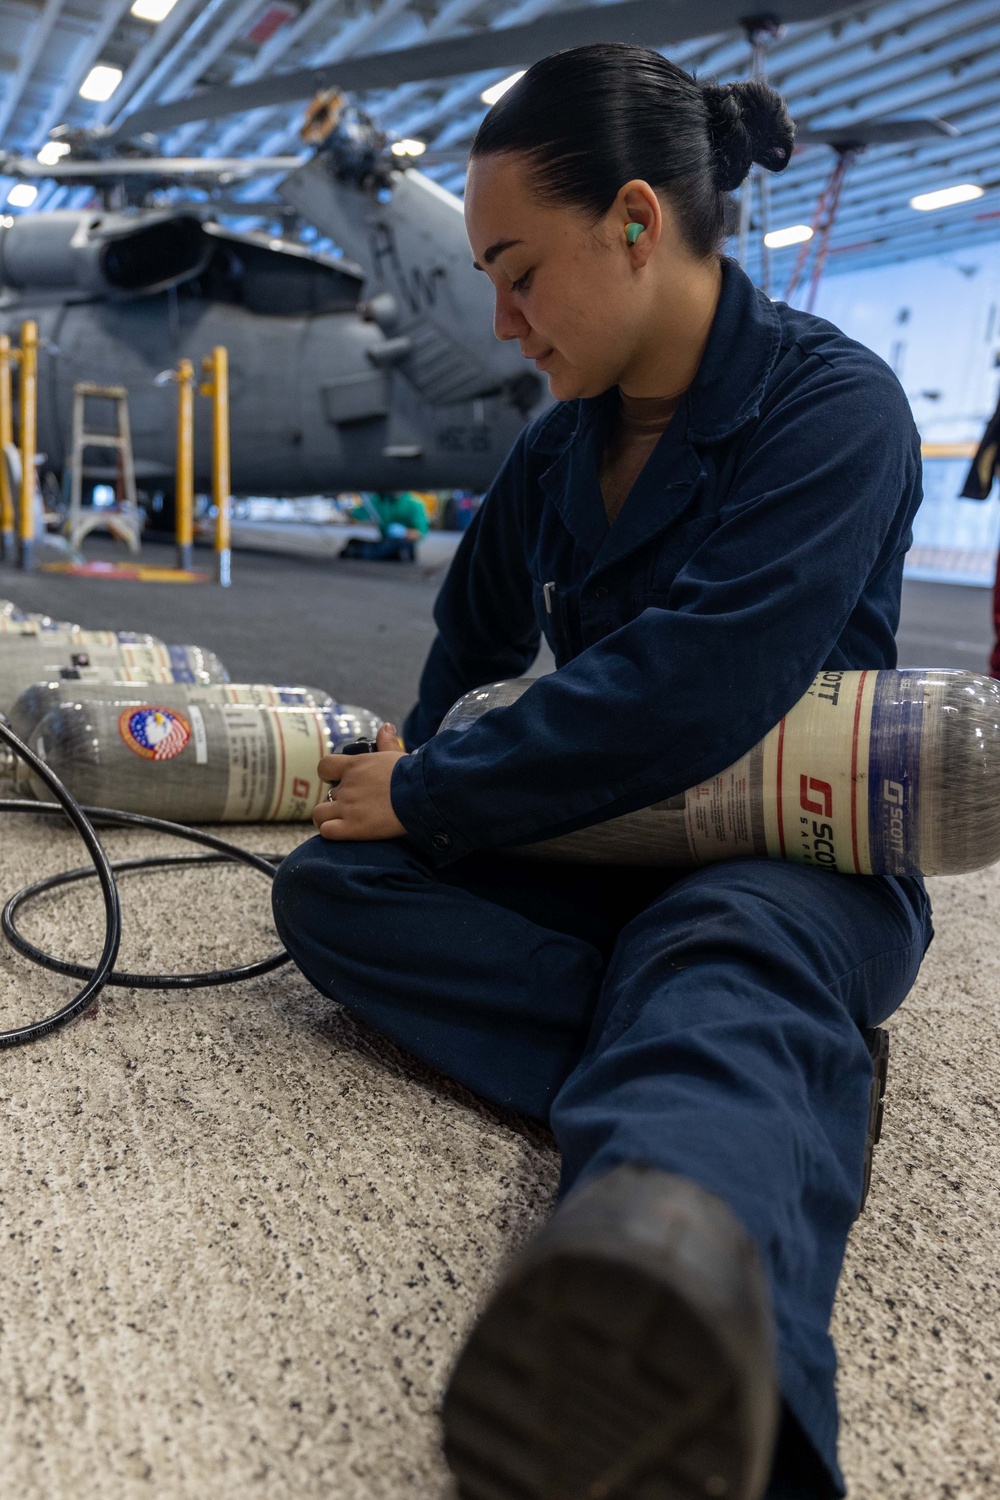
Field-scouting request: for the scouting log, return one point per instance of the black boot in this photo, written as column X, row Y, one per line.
column 628, row 1354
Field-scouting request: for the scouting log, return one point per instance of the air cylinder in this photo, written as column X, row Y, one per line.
column 870, row 773
column 205, row 763
column 15, row 621
column 42, row 697
column 28, row 659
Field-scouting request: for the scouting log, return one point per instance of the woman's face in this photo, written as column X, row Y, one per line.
column 579, row 295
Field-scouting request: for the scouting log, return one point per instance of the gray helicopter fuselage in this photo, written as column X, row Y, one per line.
column 410, row 239
column 319, row 402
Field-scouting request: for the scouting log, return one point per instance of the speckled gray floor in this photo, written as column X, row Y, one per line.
column 242, row 1239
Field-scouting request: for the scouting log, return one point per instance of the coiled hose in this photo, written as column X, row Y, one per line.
column 105, row 871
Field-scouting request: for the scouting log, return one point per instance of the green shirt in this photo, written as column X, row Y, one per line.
column 403, row 509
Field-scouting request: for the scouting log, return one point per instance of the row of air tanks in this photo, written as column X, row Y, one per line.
column 326, row 393
column 877, row 772
column 131, row 722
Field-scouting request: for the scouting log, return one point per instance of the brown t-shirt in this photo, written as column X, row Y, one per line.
column 641, row 420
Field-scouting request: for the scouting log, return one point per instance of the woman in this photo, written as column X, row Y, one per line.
column 716, row 508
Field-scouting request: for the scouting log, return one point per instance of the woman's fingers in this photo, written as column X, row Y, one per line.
column 388, row 739
column 361, row 805
column 333, row 767
column 324, row 812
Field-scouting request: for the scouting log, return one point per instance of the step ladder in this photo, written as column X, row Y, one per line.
column 122, row 520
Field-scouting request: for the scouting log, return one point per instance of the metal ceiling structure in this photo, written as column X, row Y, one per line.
column 902, row 58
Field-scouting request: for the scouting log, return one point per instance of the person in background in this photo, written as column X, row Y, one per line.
column 402, row 519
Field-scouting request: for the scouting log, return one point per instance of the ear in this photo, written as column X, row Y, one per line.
column 637, row 203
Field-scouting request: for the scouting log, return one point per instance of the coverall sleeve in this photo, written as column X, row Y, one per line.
column 486, row 626
column 823, row 489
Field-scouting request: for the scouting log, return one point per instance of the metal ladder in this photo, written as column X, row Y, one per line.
column 123, row 520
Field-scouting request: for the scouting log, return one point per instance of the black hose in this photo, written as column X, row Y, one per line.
column 110, row 817
column 123, row 978
column 68, row 805
column 104, row 972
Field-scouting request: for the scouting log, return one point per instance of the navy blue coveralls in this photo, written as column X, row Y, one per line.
column 707, row 1023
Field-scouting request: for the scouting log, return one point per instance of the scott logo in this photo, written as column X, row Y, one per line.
column 823, row 789
column 894, row 793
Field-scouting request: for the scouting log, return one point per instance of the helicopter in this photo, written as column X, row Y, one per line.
column 324, row 394
column 378, row 369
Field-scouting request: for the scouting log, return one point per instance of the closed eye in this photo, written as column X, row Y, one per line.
column 521, row 284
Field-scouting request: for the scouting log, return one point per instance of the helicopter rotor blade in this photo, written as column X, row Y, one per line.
column 877, row 133
column 148, row 166
column 861, row 133
column 652, row 23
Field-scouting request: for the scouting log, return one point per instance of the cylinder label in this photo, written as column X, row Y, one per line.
column 127, row 663
column 725, row 815
column 272, row 763
column 803, row 792
column 894, row 783
column 200, row 734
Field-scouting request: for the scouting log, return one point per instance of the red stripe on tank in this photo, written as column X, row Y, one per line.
column 854, row 774
column 276, row 804
column 324, row 750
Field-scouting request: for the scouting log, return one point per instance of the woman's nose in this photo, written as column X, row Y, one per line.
column 508, row 320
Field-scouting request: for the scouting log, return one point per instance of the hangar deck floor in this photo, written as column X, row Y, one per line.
column 243, row 1237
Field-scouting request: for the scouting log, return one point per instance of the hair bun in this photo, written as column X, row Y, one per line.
column 747, row 123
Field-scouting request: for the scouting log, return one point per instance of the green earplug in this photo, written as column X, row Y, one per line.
column 633, row 231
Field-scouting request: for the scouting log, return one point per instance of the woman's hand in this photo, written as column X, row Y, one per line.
column 361, row 807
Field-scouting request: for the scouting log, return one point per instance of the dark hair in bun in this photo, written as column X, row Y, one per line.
column 592, row 118
column 747, row 123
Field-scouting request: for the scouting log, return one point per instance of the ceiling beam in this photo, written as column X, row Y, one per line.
column 40, row 34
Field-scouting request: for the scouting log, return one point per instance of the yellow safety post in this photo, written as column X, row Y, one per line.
column 7, row 528
column 29, row 438
column 215, row 367
column 185, row 378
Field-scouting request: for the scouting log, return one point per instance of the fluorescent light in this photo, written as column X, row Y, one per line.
column 945, row 197
column 491, row 95
column 407, row 147
column 100, row 83
column 22, row 195
column 52, row 152
column 153, row 10
column 795, row 234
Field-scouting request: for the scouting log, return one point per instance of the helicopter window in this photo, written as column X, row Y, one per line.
column 273, row 282
column 289, row 286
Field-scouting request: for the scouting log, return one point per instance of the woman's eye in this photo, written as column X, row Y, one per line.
column 521, row 285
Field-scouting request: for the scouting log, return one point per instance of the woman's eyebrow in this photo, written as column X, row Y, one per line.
column 491, row 254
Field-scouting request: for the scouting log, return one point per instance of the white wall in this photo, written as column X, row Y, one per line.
column 936, row 321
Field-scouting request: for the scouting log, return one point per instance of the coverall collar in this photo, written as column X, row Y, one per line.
column 726, row 393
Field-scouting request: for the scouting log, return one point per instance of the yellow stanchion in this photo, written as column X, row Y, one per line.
column 29, row 438
column 185, row 378
column 8, row 537
column 215, row 367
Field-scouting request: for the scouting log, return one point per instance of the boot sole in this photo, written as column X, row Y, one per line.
column 591, row 1377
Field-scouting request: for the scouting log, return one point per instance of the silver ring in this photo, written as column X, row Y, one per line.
column 329, row 796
